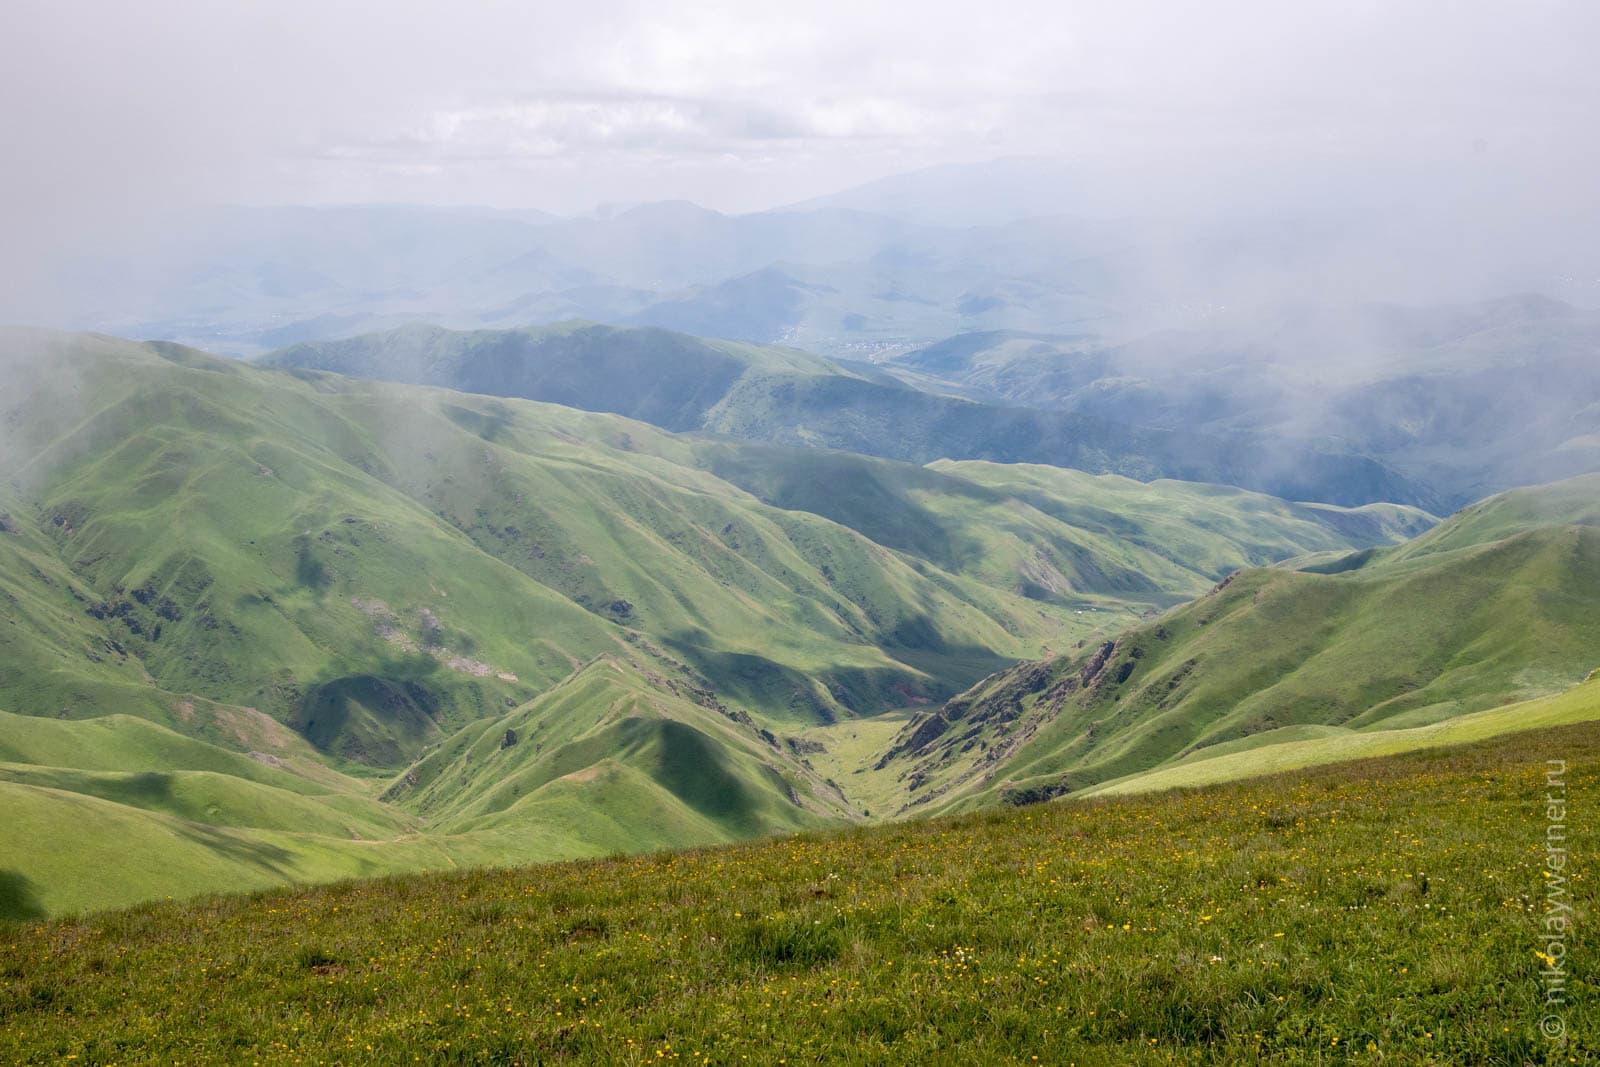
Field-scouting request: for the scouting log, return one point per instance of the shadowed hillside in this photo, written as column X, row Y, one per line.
column 780, row 395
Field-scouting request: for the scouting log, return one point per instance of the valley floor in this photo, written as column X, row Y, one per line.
column 1387, row 910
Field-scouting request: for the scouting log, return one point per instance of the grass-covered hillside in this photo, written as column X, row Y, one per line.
column 1310, row 747
column 347, row 627
column 779, row 395
column 1384, row 911
column 667, row 379
column 1499, row 604
column 115, row 810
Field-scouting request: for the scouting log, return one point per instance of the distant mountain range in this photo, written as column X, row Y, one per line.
column 1467, row 400
column 1434, row 407
column 897, row 264
column 834, row 280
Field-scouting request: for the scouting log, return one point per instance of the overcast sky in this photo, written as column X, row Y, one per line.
column 112, row 109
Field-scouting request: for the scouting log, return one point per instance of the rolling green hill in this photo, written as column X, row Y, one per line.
column 1386, row 909
column 1484, row 610
column 375, row 565
column 609, row 761
column 285, row 626
column 82, row 797
column 280, row 625
column 787, row 397
column 1261, row 755
column 605, row 746
column 1574, row 502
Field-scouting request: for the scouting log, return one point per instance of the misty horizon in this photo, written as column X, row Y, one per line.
column 1455, row 134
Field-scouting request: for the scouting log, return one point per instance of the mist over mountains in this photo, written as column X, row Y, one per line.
column 785, row 396
column 845, row 533
column 1434, row 406
column 1333, row 348
column 903, row 262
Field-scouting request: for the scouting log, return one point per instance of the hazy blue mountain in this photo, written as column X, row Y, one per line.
column 834, row 277
column 1469, row 399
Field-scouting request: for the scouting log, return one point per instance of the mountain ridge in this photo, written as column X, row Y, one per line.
column 371, row 604
column 1483, row 610
column 788, row 397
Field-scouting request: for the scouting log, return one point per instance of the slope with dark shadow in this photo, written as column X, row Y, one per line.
column 781, row 395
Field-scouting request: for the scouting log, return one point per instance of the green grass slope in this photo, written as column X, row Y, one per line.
column 113, row 810
column 123, row 743
column 377, row 566
column 1275, row 753
column 1052, row 534
column 1409, row 640
column 610, row 761
column 1575, row 502
column 1384, row 910
column 693, row 757
column 1203, row 531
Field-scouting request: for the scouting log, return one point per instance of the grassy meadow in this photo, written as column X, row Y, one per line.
column 1378, row 911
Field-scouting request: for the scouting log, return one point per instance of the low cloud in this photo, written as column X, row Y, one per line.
column 116, row 114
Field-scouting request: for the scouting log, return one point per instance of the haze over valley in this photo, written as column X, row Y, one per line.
column 535, row 535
